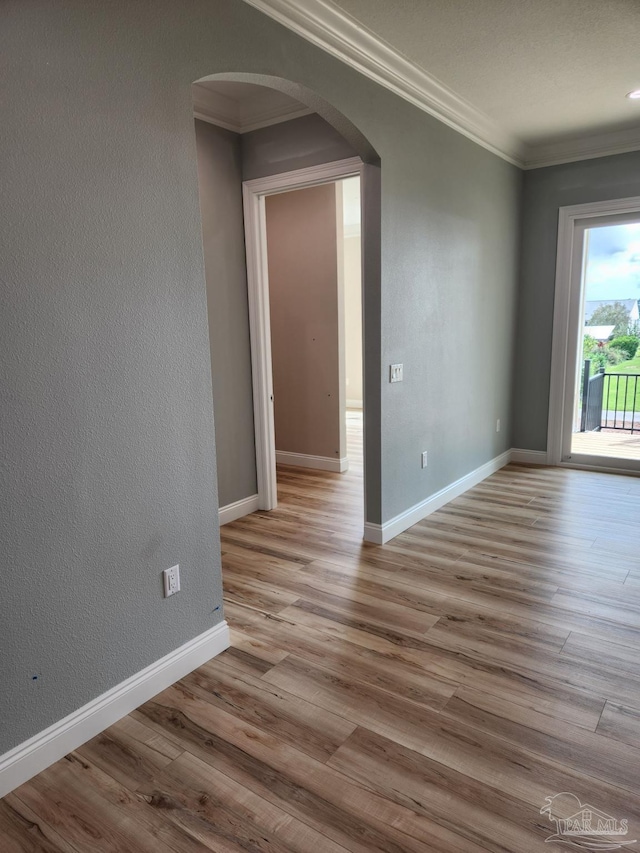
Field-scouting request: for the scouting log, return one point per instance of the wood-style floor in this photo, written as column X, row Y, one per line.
column 427, row 695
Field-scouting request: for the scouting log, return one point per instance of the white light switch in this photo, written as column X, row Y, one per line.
column 395, row 373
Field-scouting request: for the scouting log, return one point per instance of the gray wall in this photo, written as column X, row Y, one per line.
column 107, row 427
column 450, row 231
column 303, row 296
column 220, row 182
column 545, row 191
column 297, row 144
column 225, row 159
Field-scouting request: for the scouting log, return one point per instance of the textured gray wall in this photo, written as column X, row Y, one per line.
column 297, row 144
column 450, row 231
column 107, row 426
column 545, row 191
column 225, row 159
column 220, row 182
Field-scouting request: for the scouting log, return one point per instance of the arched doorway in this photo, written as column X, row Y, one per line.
column 276, row 169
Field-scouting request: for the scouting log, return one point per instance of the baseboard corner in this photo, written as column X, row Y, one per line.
column 373, row 533
column 380, row 534
column 306, row 460
column 238, row 509
column 521, row 456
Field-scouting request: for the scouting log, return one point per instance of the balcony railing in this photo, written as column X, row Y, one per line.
column 620, row 403
column 610, row 401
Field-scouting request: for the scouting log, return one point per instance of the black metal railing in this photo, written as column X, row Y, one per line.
column 592, row 396
column 610, row 400
column 620, row 406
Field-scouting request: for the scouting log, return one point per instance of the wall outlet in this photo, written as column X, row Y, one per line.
column 423, row 457
column 498, row 425
column 171, row 579
column 395, row 372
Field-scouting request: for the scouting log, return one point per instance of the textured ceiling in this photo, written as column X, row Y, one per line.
column 543, row 69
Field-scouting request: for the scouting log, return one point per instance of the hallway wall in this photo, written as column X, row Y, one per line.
column 352, row 274
column 303, row 296
column 220, row 191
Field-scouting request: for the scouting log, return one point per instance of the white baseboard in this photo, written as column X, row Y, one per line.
column 39, row 752
column 381, row 533
column 528, row 457
column 354, row 404
column 245, row 506
column 304, row 460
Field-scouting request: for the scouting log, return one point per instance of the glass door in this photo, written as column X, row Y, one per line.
column 602, row 415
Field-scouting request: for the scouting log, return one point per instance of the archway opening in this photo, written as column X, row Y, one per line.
column 252, row 128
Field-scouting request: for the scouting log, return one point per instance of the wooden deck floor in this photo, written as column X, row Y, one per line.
column 427, row 695
column 620, row 445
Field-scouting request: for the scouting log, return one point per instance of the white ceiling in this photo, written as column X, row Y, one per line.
column 542, row 69
column 243, row 107
column 537, row 81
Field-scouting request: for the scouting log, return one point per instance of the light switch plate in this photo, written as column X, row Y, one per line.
column 395, row 372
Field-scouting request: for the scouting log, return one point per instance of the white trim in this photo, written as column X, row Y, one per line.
column 309, row 177
column 306, row 460
column 260, row 335
column 373, row 533
column 238, row 509
column 253, row 194
column 39, row 752
column 562, row 354
column 381, row 533
column 582, row 148
column 354, row 404
column 336, row 32
column 219, row 109
column 528, row 457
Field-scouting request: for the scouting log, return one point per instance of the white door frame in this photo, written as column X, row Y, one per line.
column 255, row 226
column 564, row 351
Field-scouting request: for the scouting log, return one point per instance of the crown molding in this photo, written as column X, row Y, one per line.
column 330, row 28
column 336, row 32
column 586, row 147
column 215, row 108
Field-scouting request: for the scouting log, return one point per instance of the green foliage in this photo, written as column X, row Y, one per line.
column 627, row 343
column 602, row 355
column 612, row 315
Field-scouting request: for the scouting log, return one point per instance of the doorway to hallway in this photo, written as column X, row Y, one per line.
column 305, row 301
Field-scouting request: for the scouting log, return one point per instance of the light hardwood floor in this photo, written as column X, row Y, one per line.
column 427, row 695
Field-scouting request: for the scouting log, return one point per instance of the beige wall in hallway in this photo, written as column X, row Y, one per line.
column 352, row 276
column 349, row 191
column 303, row 293
column 353, row 321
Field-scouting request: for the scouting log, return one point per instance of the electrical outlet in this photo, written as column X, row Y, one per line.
column 498, row 425
column 395, row 372
column 171, row 579
column 424, row 458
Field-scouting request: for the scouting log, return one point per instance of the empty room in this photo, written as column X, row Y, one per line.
column 320, row 426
